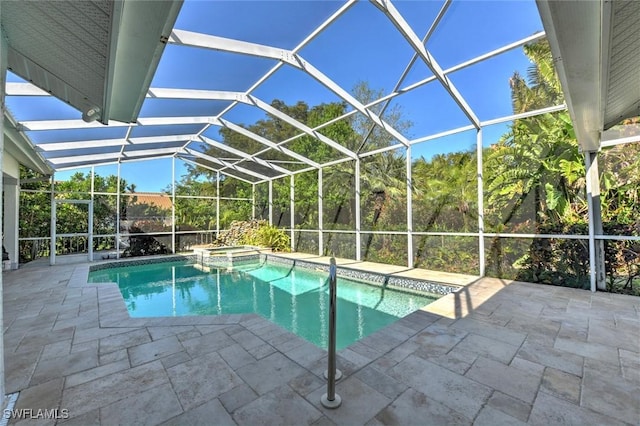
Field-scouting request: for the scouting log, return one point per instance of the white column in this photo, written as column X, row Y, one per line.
column 358, row 216
column 118, row 236
column 90, row 219
column 271, row 202
column 597, row 273
column 253, row 201
column 320, row 226
column 410, row 263
column 52, row 246
column 481, row 254
column 173, row 204
column 292, row 206
column 90, row 231
column 3, row 74
column 11, row 219
column 217, row 204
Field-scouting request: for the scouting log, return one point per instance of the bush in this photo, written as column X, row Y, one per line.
column 144, row 245
column 622, row 259
column 267, row 236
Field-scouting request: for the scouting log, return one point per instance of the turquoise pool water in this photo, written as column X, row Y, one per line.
column 296, row 299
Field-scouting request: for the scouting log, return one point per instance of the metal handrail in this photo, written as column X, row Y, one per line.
column 331, row 399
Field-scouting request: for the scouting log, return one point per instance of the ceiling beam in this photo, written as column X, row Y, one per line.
column 39, row 125
column 266, row 142
column 243, row 155
column 189, row 160
column 205, row 41
column 225, row 163
column 98, row 143
column 89, row 158
column 405, row 29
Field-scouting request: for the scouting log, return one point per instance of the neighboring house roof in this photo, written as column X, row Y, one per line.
column 160, row 200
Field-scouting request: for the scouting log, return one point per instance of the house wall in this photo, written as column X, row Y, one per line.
column 10, row 165
column 11, row 203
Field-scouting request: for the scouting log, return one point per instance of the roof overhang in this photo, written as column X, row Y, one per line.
column 594, row 44
column 20, row 148
column 99, row 57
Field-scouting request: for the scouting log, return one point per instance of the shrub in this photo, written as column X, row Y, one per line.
column 268, row 236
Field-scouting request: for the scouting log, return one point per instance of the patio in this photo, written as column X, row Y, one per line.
column 497, row 352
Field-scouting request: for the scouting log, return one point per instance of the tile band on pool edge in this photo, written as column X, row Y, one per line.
column 137, row 262
column 373, row 277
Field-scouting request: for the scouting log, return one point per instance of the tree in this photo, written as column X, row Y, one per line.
column 535, row 173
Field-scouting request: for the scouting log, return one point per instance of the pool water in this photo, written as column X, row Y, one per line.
column 294, row 298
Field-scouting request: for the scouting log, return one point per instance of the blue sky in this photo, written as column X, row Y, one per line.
column 361, row 46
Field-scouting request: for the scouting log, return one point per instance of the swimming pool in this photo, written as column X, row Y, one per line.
column 294, row 298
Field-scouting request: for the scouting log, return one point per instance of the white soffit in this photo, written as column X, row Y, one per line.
column 574, row 29
column 623, row 83
column 97, row 56
column 595, row 48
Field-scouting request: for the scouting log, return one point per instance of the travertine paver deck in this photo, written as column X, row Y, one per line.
column 494, row 353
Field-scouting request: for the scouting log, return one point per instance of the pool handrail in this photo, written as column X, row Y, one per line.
column 331, row 399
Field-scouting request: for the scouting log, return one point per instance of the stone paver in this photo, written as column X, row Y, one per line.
column 65, row 365
column 509, row 405
column 520, row 384
column 500, row 351
column 455, row 391
column 209, row 413
column 154, row 350
column 561, row 384
column 489, row 416
column 605, row 390
column 360, row 402
column 202, row 379
column 497, row 353
column 269, row 373
column 281, row 406
column 381, row 382
column 152, row 406
column 549, row 410
column 106, row 390
column 414, row 407
column 237, row 397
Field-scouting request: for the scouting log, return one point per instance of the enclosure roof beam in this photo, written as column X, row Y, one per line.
column 204, row 166
column 162, row 93
column 223, row 44
column 72, row 166
column 98, row 143
column 112, row 155
column 300, row 126
column 347, row 97
column 243, row 154
column 213, row 95
column 37, row 125
column 405, row 29
column 266, row 142
column 224, row 163
column 205, row 41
